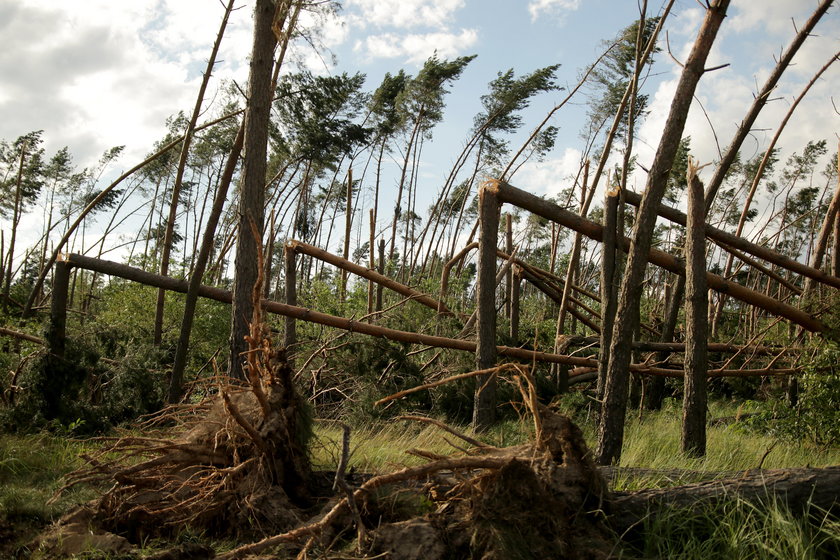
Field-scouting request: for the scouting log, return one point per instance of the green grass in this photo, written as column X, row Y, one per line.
column 654, row 442
column 738, row 529
column 378, row 448
column 31, row 468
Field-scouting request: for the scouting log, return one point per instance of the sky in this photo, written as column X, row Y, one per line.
column 99, row 73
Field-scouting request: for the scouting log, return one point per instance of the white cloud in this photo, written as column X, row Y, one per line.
column 404, row 14
column 557, row 8
column 550, row 176
column 416, row 48
column 99, row 73
column 770, row 16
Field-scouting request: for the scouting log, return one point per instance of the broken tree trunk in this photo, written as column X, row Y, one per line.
column 551, row 211
column 696, row 312
column 611, row 425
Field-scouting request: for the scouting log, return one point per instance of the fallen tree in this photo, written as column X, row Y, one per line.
column 801, row 490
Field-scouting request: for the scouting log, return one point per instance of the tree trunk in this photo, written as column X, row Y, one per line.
column 484, row 407
column 7, row 282
column 252, row 197
column 802, row 490
column 611, row 426
column 348, row 225
column 290, row 337
column 696, row 334
column 608, row 285
column 179, row 176
column 197, row 275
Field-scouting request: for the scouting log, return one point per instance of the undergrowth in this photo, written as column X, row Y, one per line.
column 738, row 529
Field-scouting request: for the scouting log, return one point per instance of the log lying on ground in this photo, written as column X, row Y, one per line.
column 814, row 490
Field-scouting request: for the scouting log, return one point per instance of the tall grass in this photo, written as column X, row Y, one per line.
column 31, row 468
column 737, row 530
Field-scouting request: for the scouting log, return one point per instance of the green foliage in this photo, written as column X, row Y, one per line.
column 815, row 418
column 20, row 185
column 54, row 393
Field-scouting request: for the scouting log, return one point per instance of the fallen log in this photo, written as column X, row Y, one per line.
column 804, row 489
column 173, row 284
column 726, row 238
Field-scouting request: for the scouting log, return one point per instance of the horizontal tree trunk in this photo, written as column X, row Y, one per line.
column 648, row 346
column 372, row 275
column 111, row 268
column 726, row 238
column 799, row 489
column 551, row 211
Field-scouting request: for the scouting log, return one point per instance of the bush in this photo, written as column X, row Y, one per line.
column 816, row 415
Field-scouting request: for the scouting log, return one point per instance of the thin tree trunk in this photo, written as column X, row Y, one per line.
column 826, row 230
column 608, row 285
column 179, row 176
column 348, row 225
column 290, row 336
column 7, row 283
column 509, row 274
column 180, row 362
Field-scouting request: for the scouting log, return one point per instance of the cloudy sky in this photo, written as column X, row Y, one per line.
column 98, row 73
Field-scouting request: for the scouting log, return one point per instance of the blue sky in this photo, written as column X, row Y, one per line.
column 99, row 73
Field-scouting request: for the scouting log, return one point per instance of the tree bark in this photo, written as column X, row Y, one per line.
column 609, row 255
column 611, row 426
column 252, row 196
column 484, row 407
column 348, row 266
column 7, row 281
column 348, row 225
column 802, row 490
column 290, row 336
column 696, row 317
column 551, row 211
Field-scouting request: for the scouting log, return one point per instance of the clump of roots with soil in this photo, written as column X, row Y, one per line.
column 236, row 466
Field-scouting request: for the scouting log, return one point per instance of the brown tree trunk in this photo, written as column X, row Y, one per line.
column 611, row 426
column 197, row 275
column 696, row 334
column 348, row 225
column 802, row 490
column 7, row 282
column 484, row 407
column 252, row 196
column 608, row 285
column 290, row 336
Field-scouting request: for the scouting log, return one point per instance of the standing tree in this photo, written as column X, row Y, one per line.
column 20, row 182
column 252, row 194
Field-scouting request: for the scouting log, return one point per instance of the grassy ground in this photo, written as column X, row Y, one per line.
column 31, row 468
